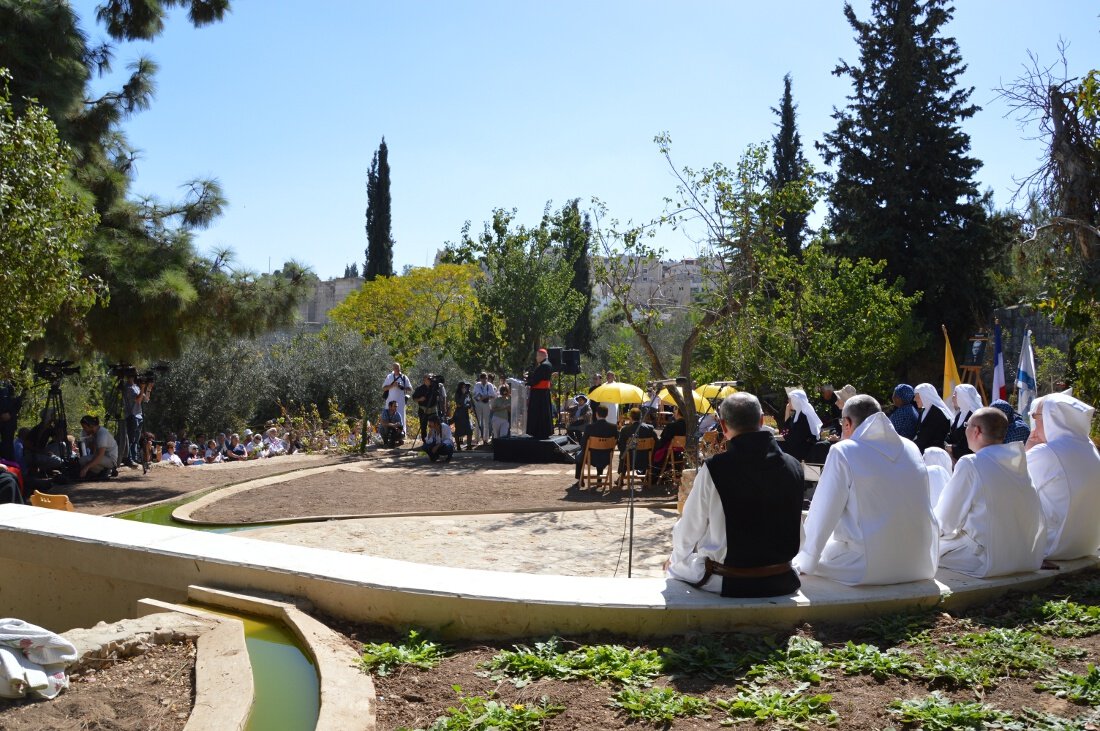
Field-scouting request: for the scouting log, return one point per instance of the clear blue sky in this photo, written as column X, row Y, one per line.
column 513, row 104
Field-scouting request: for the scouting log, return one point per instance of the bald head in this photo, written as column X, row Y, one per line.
column 859, row 407
column 986, row 426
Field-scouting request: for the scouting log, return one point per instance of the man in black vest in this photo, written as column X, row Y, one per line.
column 740, row 527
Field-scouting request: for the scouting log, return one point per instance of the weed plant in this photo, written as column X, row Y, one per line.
column 659, row 706
column 481, row 713
column 936, row 713
column 790, row 708
column 1083, row 689
column 593, row 662
column 416, row 650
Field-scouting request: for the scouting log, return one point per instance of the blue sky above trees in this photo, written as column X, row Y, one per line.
column 512, row 104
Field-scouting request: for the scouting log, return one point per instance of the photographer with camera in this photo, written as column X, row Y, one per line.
column 431, row 399
column 135, row 392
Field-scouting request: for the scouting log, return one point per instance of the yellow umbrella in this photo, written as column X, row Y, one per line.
column 715, row 390
column 702, row 406
column 617, row 393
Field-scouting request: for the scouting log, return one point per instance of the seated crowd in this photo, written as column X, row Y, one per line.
column 988, row 497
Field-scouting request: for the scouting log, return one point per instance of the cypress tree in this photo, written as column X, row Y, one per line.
column 904, row 190
column 788, row 165
column 379, row 262
column 574, row 230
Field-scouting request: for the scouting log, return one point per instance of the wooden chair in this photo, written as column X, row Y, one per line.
column 708, row 444
column 643, row 447
column 589, row 476
column 55, row 502
column 673, row 465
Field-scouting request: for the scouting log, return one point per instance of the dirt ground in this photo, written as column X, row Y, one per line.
column 150, row 691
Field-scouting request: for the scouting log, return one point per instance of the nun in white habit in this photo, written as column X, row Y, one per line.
column 870, row 521
column 1065, row 469
column 939, row 467
column 965, row 401
column 935, row 418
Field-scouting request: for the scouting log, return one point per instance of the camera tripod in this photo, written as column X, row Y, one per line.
column 55, row 404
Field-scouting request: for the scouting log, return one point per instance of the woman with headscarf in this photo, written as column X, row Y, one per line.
column 1064, row 466
column 1018, row 430
column 802, row 426
column 965, row 401
column 935, row 418
column 905, row 416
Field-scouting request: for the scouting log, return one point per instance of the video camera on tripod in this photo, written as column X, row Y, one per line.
column 123, row 371
column 53, row 370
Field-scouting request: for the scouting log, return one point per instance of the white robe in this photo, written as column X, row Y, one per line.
column 396, row 393
column 1066, row 475
column 483, row 395
column 870, row 521
column 699, row 534
column 991, row 523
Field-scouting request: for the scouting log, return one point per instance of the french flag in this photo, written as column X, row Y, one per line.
column 999, row 389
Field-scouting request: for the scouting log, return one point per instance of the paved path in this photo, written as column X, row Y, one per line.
column 572, row 543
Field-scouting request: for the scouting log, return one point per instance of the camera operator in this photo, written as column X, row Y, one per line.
column 135, row 392
column 9, row 415
column 101, row 449
column 431, row 399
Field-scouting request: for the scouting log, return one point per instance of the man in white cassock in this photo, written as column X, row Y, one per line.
column 991, row 523
column 870, row 521
column 1065, row 470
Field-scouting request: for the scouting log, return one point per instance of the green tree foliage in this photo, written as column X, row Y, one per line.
column 904, row 190
column 43, row 223
column 424, row 307
column 351, row 270
column 220, row 384
column 379, row 261
column 160, row 289
column 573, row 230
column 788, row 166
column 813, row 305
column 526, row 297
column 1065, row 221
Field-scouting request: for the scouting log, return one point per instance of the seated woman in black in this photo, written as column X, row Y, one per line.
column 935, row 418
column 802, row 426
column 965, row 400
column 678, row 428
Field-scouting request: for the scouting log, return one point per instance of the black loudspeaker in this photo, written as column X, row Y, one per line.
column 571, row 362
column 554, row 355
column 529, row 450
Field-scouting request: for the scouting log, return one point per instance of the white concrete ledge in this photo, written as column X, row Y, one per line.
column 88, row 567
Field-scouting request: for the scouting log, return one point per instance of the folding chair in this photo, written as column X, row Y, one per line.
column 643, row 453
column 673, row 465
column 589, row 476
column 56, row 502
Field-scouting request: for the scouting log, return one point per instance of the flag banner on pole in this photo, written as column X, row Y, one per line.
column 950, row 370
column 1000, row 387
column 1025, row 378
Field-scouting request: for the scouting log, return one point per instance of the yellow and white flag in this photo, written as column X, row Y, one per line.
column 950, row 370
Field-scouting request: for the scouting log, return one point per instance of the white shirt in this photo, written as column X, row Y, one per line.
column 171, row 457
column 1066, row 474
column 444, row 436
column 699, row 534
column 870, row 521
column 484, row 393
column 990, row 519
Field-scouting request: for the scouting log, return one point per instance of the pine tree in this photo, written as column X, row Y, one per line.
column 788, row 166
column 904, row 190
column 379, row 261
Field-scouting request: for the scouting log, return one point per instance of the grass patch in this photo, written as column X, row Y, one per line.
column 480, row 713
column 659, row 706
column 1077, row 688
column 417, row 651
column 592, row 662
column 790, row 708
